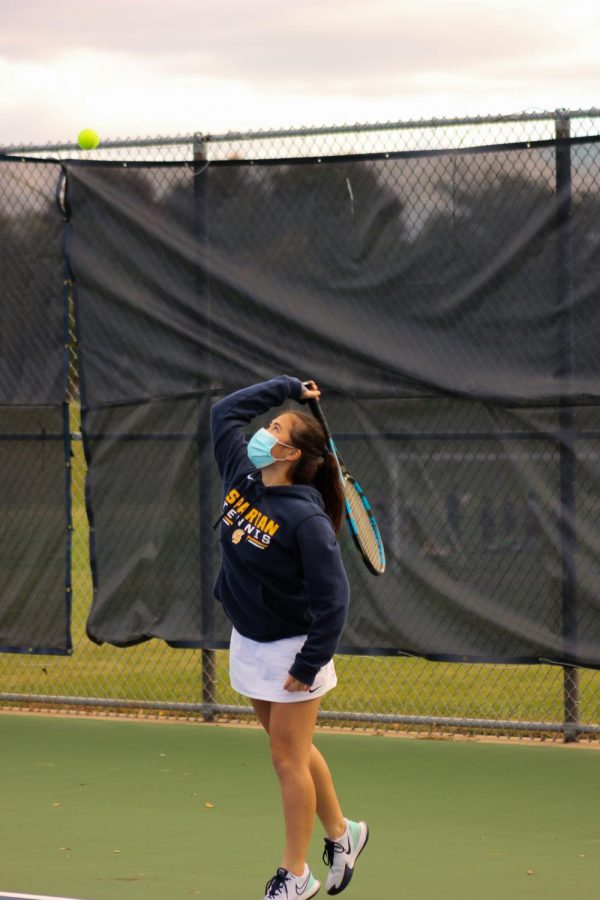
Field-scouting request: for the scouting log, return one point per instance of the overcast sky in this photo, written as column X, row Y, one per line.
column 147, row 67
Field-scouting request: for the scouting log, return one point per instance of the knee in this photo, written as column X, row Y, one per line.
column 285, row 760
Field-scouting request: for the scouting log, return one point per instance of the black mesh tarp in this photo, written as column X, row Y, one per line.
column 447, row 304
column 34, row 434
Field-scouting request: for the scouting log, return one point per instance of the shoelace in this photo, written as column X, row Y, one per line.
column 276, row 885
column 329, row 851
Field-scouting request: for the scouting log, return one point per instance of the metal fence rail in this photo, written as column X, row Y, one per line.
column 387, row 692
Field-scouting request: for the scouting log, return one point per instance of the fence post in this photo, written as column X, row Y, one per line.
column 566, row 424
column 209, row 681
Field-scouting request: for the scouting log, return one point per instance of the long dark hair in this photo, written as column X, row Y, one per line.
column 317, row 466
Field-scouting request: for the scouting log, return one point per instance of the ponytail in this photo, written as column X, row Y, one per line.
column 317, row 466
column 327, row 482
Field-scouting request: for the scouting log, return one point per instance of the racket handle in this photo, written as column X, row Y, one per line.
column 315, row 408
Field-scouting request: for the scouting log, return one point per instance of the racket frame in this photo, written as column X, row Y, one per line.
column 315, row 408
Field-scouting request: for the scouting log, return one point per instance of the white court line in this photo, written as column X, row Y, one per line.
column 32, row 897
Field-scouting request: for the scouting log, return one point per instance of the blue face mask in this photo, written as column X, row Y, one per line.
column 260, row 446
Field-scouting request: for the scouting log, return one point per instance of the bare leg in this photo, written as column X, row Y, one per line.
column 290, row 729
column 328, row 807
column 262, row 708
column 292, row 725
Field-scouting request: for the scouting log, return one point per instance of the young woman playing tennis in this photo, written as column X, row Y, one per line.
column 283, row 586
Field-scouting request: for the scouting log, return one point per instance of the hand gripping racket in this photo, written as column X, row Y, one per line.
column 359, row 514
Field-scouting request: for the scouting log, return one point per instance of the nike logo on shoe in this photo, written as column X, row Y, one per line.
column 300, row 888
column 347, row 849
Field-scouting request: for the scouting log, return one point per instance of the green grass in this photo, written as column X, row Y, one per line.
column 154, row 671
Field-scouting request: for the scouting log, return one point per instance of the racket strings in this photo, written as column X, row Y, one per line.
column 366, row 530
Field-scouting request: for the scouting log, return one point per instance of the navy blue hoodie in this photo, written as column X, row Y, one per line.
column 281, row 570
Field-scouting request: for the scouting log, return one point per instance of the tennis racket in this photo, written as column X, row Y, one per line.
column 359, row 514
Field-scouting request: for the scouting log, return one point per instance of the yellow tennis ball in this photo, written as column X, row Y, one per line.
column 88, row 139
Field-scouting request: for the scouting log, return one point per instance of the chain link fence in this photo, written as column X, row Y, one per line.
column 386, row 692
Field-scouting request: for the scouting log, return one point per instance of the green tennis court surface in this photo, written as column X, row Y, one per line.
column 103, row 809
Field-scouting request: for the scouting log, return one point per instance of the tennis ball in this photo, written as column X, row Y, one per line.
column 88, row 139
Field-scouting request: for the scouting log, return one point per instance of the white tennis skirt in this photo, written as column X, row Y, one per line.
column 258, row 669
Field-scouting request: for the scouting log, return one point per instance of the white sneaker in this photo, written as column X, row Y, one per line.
column 285, row 886
column 342, row 854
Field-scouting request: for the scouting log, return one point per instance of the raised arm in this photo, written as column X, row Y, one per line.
column 231, row 415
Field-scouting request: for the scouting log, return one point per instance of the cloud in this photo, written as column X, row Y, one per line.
column 347, row 42
column 134, row 67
